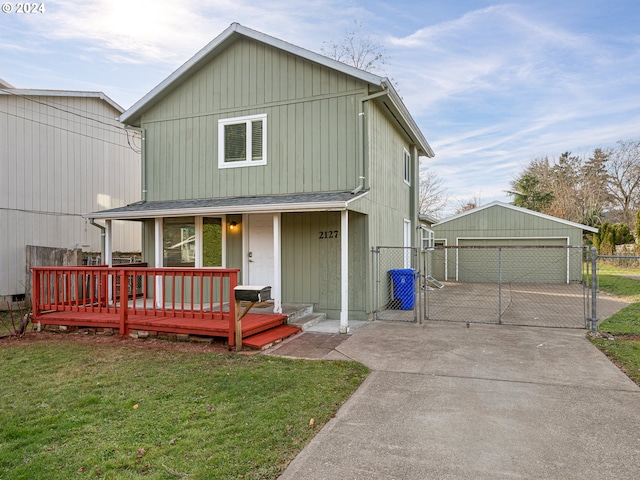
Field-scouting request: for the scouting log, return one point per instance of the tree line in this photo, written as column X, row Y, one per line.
column 603, row 188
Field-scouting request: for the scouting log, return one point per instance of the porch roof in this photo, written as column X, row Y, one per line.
column 299, row 202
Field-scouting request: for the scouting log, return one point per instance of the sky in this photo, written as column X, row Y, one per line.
column 492, row 85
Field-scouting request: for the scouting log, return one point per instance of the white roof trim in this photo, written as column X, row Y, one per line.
column 517, row 209
column 333, row 206
column 27, row 92
column 5, row 84
column 156, row 94
column 234, row 29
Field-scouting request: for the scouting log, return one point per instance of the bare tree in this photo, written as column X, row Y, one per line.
column 624, row 180
column 469, row 204
column 432, row 196
column 357, row 49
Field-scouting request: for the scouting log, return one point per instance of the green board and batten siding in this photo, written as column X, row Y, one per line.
column 312, row 125
column 501, row 225
column 315, row 143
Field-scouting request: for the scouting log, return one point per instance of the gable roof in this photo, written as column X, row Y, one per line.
column 231, row 34
column 517, row 209
column 27, row 92
column 5, row 84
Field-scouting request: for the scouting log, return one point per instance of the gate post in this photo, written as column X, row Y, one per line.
column 500, row 285
column 594, row 287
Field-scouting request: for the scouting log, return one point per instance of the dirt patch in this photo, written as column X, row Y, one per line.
column 217, row 346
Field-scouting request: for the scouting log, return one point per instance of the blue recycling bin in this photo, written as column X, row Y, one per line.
column 403, row 288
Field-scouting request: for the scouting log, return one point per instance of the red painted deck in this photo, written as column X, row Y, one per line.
column 252, row 324
column 165, row 300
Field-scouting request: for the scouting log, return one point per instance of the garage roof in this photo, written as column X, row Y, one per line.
column 517, row 209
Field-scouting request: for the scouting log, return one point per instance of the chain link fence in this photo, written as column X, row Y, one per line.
column 619, row 276
column 535, row 286
column 395, row 282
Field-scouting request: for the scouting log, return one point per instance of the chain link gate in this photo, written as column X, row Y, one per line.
column 396, row 280
column 533, row 286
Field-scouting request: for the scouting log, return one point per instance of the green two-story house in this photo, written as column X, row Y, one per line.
column 263, row 156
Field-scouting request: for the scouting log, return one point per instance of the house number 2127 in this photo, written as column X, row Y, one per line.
column 329, row 234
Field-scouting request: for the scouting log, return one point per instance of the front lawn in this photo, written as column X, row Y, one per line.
column 121, row 409
column 621, row 332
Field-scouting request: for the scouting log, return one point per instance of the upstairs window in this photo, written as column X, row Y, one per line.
column 242, row 141
column 406, row 163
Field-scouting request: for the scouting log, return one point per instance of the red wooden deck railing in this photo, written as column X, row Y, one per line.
column 134, row 291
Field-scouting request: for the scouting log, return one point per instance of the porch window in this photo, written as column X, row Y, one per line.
column 242, row 141
column 179, row 236
column 211, row 242
column 406, row 161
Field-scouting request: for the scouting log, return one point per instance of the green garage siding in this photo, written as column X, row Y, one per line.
column 502, row 227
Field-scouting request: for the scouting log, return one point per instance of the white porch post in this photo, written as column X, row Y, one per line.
column 344, row 272
column 108, row 257
column 158, row 259
column 108, row 244
column 276, row 292
column 198, row 242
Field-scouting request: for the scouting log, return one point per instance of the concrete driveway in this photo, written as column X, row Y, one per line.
column 484, row 402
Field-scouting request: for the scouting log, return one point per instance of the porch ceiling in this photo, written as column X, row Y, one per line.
column 300, row 202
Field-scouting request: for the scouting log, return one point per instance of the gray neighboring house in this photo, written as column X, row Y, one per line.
column 62, row 153
column 263, row 156
column 499, row 224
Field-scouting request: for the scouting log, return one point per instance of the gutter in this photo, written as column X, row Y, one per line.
column 143, row 160
column 362, row 140
column 102, row 237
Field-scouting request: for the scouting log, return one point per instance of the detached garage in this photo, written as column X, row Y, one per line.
column 502, row 242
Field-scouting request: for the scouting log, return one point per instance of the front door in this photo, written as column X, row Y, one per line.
column 260, row 250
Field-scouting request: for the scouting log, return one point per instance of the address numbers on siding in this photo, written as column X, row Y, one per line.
column 329, row 234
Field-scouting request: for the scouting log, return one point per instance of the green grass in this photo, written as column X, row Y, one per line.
column 90, row 410
column 624, row 322
column 620, row 286
column 624, row 326
column 624, row 353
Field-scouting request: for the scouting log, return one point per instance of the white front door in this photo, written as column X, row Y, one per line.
column 260, row 258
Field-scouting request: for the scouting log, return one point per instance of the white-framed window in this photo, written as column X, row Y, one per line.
column 242, row 141
column 406, row 165
column 428, row 238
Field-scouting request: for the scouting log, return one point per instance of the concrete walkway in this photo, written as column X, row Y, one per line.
column 445, row 401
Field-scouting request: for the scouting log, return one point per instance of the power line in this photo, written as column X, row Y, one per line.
column 123, row 131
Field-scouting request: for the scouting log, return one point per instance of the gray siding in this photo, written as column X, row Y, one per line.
column 312, row 125
column 60, row 157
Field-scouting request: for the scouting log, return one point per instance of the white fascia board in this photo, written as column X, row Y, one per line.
column 184, row 212
column 517, row 209
column 133, row 114
column 408, row 119
column 26, row 92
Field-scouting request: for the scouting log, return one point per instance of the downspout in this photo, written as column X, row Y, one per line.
column 362, row 139
column 143, row 160
column 102, row 237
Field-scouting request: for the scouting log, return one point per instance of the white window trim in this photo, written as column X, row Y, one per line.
column 247, row 120
column 406, row 166
column 427, row 238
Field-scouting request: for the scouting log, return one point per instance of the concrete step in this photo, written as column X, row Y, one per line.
column 309, row 320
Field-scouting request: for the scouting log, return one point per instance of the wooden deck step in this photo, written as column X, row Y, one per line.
column 269, row 337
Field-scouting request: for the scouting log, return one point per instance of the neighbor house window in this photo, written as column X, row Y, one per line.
column 406, row 161
column 242, row 141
